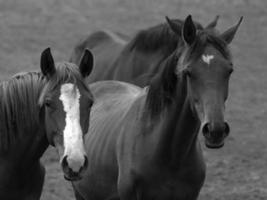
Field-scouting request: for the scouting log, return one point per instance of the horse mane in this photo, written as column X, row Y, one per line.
column 162, row 89
column 158, row 37
column 18, row 106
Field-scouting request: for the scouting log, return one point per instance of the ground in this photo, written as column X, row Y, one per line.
column 238, row 171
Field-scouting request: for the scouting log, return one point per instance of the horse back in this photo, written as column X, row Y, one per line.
column 106, row 47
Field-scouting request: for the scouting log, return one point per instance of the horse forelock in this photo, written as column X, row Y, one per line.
column 204, row 39
column 65, row 73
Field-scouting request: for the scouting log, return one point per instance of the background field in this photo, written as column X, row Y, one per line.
column 238, row 171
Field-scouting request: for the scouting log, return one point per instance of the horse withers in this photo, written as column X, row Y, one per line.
column 143, row 143
column 41, row 109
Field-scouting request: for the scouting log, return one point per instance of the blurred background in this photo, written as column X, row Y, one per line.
column 238, row 171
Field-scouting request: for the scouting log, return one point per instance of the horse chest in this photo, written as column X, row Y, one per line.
column 170, row 187
column 165, row 183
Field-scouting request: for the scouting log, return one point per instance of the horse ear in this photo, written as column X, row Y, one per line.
column 228, row 35
column 87, row 62
column 174, row 26
column 189, row 31
column 47, row 63
column 213, row 24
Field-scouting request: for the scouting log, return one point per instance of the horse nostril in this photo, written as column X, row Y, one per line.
column 85, row 164
column 226, row 128
column 205, row 129
column 64, row 163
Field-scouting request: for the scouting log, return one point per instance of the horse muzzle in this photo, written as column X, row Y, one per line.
column 215, row 134
column 73, row 169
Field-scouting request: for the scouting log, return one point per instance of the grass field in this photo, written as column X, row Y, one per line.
column 238, row 171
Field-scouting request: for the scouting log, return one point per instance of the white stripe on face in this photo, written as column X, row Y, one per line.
column 72, row 134
column 207, row 58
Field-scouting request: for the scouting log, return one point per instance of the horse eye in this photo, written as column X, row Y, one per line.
column 91, row 104
column 48, row 103
column 187, row 73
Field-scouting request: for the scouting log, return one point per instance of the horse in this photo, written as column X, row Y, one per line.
column 143, row 54
column 143, row 142
column 38, row 109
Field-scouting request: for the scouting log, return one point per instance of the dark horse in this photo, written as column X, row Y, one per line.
column 143, row 143
column 41, row 109
column 136, row 61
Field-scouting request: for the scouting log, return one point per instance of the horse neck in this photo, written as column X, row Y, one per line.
column 175, row 126
column 146, row 61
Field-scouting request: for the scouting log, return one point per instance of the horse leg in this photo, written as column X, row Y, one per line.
column 77, row 195
column 113, row 198
column 130, row 194
column 35, row 182
column 126, row 188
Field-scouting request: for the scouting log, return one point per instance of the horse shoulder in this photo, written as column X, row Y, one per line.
column 113, row 99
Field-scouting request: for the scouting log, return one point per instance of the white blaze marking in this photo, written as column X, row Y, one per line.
column 207, row 58
column 72, row 134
